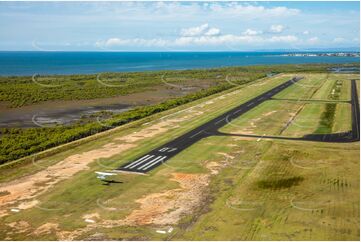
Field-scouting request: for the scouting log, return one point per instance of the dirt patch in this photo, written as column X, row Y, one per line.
column 162, row 208
column 228, row 156
column 269, row 113
column 28, row 204
column 46, row 228
column 167, row 207
column 243, row 138
column 19, row 226
column 145, row 133
column 92, row 216
column 214, row 167
column 33, row 185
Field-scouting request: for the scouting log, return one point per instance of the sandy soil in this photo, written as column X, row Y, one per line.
column 162, row 209
column 33, row 185
column 269, row 113
column 46, row 228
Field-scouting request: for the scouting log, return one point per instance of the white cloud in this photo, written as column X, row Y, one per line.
column 246, row 10
column 200, row 35
column 113, row 42
column 306, row 32
column 278, row 28
column 192, row 10
column 313, row 40
column 284, row 39
column 194, row 31
column 252, row 32
column 212, row 32
column 339, row 40
column 203, row 29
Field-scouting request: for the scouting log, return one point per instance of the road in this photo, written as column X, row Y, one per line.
column 163, row 153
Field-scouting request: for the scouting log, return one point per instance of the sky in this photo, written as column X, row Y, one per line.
column 178, row 26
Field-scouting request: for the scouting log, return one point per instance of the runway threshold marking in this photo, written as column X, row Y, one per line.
column 151, row 163
column 139, row 161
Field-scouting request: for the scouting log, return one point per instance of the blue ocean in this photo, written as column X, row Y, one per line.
column 23, row 63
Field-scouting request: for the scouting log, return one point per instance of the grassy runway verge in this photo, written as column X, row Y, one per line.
column 316, row 104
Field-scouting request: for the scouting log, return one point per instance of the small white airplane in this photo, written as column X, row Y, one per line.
column 103, row 175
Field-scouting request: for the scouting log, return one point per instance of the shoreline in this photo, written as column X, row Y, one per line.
column 24, row 64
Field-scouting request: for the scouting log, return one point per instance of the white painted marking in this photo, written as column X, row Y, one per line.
column 219, row 121
column 259, row 139
column 161, row 232
column 171, row 150
column 153, row 162
column 150, row 161
column 239, row 110
column 170, row 230
column 15, row 210
column 196, row 134
column 89, row 220
column 163, row 149
column 141, row 161
column 134, row 162
column 250, row 104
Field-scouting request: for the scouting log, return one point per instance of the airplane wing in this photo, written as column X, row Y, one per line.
column 104, row 173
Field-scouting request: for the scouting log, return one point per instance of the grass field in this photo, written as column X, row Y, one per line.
column 221, row 188
column 309, row 106
column 292, row 191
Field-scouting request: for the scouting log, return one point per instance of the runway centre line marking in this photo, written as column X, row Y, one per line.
column 219, row 121
column 239, row 110
column 250, row 104
column 141, row 161
column 196, row 134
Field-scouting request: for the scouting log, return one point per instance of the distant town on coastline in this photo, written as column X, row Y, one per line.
column 333, row 54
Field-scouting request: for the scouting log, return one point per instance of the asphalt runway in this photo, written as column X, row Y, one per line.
column 163, row 153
